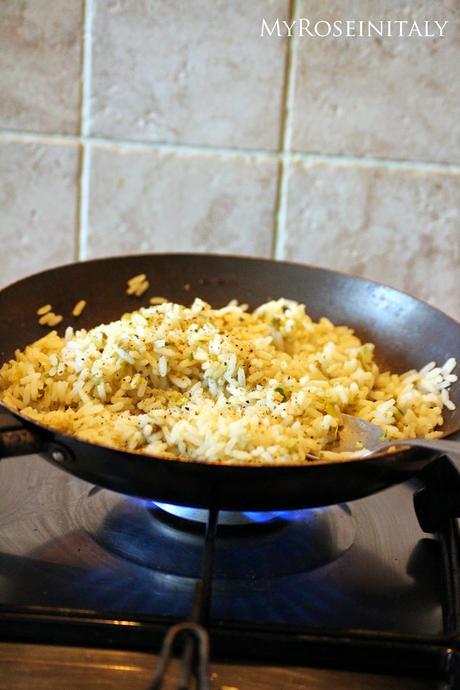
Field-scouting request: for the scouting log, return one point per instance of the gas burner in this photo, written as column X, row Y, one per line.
column 169, row 539
column 228, row 518
column 64, row 549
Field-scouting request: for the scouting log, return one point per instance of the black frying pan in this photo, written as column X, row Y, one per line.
column 407, row 332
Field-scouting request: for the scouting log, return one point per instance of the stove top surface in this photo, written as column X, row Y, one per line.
column 105, row 669
column 67, row 549
column 363, row 565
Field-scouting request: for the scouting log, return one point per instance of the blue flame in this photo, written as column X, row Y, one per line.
column 257, row 517
column 269, row 516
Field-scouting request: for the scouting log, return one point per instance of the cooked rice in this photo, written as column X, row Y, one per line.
column 78, row 308
column 220, row 385
column 137, row 285
column 50, row 319
column 44, row 320
column 44, row 310
column 55, row 319
column 158, row 300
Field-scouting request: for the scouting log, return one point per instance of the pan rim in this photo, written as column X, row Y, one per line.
column 244, row 257
column 382, row 455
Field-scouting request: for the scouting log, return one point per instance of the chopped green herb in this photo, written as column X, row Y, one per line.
column 282, row 393
column 382, row 437
column 365, row 355
column 191, row 356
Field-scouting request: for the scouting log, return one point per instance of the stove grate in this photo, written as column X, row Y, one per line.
column 436, row 506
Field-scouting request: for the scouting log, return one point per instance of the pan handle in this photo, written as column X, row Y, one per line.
column 16, row 439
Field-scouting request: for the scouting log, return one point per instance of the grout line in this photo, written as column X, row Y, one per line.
column 344, row 160
column 276, row 209
column 286, row 139
column 78, row 205
column 291, row 156
column 291, row 72
column 281, row 210
column 86, row 68
column 186, row 148
column 144, row 144
column 81, row 240
column 84, row 204
column 39, row 137
column 282, row 139
column 76, row 140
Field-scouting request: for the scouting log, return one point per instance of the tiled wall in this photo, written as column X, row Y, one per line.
column 155, row 125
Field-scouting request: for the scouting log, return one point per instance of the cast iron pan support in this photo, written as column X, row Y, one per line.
column 437, row 506
column 195, row 655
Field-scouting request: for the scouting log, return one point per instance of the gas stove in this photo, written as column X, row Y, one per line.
column 354, row 595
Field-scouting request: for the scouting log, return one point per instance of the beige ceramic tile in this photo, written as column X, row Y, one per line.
column 146, row 201
column 37, row 206
column 396, row 226
column 40, row 65
column 388, row 97
column 194, row 72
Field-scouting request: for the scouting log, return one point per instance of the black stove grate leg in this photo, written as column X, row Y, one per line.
column 449, row 539
column 202, row 604
column 195, row 656
column 194, row 663
column 437, row 506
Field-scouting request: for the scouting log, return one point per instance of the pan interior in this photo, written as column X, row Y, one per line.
column 407, row 332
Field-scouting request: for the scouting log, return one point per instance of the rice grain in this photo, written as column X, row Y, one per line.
column 222, row 385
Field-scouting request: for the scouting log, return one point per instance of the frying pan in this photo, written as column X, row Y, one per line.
column 408, row 333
